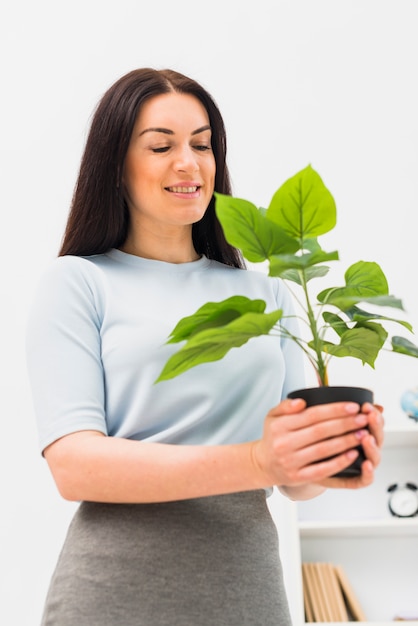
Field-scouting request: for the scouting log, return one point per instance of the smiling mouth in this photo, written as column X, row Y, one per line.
column 183, row 189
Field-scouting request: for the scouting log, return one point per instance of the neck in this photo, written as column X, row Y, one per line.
column 168, row 249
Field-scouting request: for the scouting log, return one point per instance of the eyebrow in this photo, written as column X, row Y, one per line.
column 167, row 131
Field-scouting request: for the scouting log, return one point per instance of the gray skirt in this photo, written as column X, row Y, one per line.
column 203, row 562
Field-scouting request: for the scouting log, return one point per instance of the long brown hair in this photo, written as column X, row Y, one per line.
column 99, row 217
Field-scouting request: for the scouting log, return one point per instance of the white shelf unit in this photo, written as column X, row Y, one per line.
column 366, row 528
column 355, row 529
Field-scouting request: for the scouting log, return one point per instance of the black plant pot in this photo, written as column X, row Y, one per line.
column 325, row 395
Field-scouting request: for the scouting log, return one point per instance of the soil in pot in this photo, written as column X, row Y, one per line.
column 325, row 395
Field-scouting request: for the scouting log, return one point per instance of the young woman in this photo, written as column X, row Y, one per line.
column 173, row 527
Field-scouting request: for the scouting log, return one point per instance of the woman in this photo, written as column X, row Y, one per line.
column 173, row 526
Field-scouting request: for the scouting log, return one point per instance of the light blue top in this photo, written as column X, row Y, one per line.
column 96, row 343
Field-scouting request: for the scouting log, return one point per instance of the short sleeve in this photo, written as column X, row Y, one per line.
column 63, row 351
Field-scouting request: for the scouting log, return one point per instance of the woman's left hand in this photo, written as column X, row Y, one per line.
column 371, row 443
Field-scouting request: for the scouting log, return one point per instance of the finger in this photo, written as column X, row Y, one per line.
column 324, row 412
column 288, row 406
column 376, row 423
column 371, row 450
column 353, row 482
column 315, row 413
column 334, row 446
column 320, row 422
column 372, row 409
column 367, row 473
column 321, row 472
column 326, row 430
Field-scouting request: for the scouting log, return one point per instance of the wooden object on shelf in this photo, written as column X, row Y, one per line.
column 337, row 598
column 315, row 593
column 350, row 598
column 326, row 592
column 328, row 595
column 307, row 595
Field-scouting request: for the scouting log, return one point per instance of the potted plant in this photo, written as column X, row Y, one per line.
column 285, row 235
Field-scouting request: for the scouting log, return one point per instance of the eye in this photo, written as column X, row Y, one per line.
column 202, row 148
column 160, row 150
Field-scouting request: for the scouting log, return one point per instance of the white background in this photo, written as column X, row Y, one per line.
column 326, row 82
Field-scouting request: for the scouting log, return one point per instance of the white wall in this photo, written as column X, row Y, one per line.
column 327, row 82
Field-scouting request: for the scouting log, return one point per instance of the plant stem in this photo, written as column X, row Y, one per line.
column 321, row 368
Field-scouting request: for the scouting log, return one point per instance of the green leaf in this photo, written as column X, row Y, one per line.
column 404, row 346
column 309, row 273
column 360, row 343
column 212, row 344
column 376, row 328
column 359, row 315
column 303, row 206
column 367, row 278
column 213, row 314
column 246, row 228
column 284, row 262
column 365, row 282
column 335, row 322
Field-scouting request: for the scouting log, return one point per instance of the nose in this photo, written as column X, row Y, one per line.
column 186, row 160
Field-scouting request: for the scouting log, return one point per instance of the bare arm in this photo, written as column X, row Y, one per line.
column 90, row 466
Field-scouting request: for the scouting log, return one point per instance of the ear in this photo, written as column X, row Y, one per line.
column 393, row 487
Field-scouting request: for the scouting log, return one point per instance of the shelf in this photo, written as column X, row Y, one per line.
column 360, row 528
column 406, row 437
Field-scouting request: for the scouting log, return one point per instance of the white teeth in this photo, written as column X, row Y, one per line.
column 183, row 189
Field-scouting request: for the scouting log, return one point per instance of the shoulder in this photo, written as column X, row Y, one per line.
column 68, row 281
column 67, row 270
column 68, row 265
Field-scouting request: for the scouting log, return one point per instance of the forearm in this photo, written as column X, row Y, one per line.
column 90, row 466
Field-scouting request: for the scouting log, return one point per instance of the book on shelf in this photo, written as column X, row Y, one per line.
column 350, row 597
column 328, row 594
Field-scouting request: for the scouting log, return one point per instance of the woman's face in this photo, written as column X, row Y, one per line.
column 169, row 170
